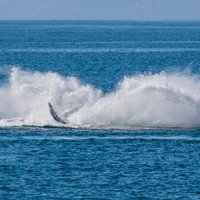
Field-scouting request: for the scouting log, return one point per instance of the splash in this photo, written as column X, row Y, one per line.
column 145, row 100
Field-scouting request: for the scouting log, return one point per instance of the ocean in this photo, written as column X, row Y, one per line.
column 129, row 93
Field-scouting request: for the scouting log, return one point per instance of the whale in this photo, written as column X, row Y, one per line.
column 55, row 115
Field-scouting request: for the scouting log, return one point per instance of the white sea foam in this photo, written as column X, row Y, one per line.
column 80, row 138
column 159, row 100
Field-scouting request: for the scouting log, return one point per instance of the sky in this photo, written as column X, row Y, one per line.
column 100, row 9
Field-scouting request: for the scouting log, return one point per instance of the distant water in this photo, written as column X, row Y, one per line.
column 130, row 95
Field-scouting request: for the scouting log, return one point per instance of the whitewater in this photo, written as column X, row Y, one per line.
column 163, row 100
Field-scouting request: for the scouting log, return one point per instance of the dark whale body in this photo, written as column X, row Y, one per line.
column 54, row 114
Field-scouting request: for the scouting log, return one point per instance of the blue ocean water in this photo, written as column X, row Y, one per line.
column 129, row 93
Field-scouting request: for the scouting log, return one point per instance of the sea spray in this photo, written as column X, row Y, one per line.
column 26, row 96
column 145, row 100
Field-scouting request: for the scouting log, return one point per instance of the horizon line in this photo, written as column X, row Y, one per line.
column 130, row 20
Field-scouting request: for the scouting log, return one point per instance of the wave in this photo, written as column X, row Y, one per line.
column 101, row 50
column 98, row 26
column 146, row 100
column 81, row 138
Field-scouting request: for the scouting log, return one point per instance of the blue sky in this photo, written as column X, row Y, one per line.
column 101, row 9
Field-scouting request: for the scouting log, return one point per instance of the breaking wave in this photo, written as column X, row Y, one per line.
column 146, row 100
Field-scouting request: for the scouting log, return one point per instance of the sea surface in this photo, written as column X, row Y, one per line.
column 129, row 93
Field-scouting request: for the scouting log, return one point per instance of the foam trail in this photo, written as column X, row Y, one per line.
column 80, row 138
column 159, row 100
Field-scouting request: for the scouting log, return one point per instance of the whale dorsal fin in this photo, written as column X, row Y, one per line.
column 54, row 114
